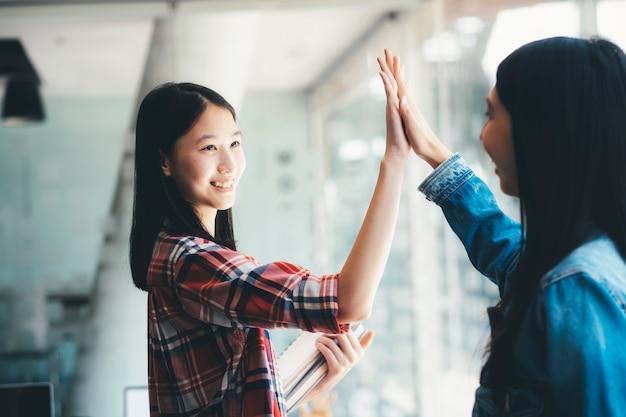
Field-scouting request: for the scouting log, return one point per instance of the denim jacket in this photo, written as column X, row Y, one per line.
column 569, row 358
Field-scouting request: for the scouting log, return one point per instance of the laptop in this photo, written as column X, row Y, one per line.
column 29, row 399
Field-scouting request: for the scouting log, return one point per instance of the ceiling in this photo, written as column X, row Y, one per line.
column 93, row 48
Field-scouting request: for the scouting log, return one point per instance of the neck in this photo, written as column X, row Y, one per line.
column 208, row 221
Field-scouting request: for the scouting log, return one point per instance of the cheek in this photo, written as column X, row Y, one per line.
column 508, row 149
column 486, row 139
column 191, row 171
column 242, row 163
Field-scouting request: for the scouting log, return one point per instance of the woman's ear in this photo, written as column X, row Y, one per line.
column 165, row 165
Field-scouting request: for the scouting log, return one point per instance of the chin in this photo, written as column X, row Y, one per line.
column 509, row 189
column 226, row 206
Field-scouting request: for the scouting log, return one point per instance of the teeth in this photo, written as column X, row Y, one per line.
column 223, row 184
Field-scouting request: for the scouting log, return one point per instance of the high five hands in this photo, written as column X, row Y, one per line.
column 406, row 129
column 396, row 139
column 420, row 136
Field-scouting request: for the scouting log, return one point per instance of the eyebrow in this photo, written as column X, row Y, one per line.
column 209, row 136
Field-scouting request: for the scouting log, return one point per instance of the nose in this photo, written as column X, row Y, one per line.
column 226, row 163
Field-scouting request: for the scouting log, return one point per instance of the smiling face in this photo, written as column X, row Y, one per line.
column 497, row 139
column 206, row 164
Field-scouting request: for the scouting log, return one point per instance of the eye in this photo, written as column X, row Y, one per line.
column 210, row 147
column 235, row 144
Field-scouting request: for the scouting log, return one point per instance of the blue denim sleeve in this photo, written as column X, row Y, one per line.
column 585, row 348
column 490, row 237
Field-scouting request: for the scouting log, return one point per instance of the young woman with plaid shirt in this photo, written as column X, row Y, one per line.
column 210, row 306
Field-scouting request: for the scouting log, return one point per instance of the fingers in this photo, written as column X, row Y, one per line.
column 390, row 91
column 387, row 67
column 398, row 76
column 350, row 347
column 389, row 59
column 390, row 66
column 401, row 81
column 393, row 75
column 367, row 339
column 344, row 350
column 341, row 352
column 397, row 145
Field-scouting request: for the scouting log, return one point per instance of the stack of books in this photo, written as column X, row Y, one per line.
column 302, row 365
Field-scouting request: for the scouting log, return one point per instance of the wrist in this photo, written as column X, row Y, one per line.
column 391, row 162
column 436, row 154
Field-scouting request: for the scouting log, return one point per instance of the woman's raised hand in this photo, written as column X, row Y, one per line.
column 397, row 143
column 423, row 140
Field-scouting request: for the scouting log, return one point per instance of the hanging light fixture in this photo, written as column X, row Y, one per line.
column 22, row 101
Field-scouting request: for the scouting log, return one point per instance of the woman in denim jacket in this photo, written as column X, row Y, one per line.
column 556, row 132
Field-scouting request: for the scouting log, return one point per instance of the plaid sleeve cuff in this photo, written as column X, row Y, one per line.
column 316, row 306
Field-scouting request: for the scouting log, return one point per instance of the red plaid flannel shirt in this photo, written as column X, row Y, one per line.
column 208, row 307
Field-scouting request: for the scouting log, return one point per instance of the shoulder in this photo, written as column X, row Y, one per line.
column 177, row 247
column 581, row 312
column 598, row 259
column 186, row 243
column 593, row 271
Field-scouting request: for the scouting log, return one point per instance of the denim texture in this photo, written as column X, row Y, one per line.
column 569, row 358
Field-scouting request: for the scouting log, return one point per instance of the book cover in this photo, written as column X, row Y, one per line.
column 302, row 365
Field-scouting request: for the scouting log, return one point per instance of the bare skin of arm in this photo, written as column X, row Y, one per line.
column 423, row 140
column 361, row 274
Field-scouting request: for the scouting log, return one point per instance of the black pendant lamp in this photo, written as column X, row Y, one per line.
column 22, row 100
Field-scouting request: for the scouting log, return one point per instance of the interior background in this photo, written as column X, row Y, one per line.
column 303, row 77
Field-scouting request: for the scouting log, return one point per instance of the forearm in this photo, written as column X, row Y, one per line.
column 363, row 269
column 490, row 237
column 435, row 153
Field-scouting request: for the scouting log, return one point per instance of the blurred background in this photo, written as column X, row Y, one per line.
column 303, row 77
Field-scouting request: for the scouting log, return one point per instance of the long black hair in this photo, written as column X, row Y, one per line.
column 567, row 102
column 165, row 114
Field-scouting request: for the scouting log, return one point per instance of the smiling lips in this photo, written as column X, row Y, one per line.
column 223, row 184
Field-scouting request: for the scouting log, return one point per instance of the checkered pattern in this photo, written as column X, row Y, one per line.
column 208, row 311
